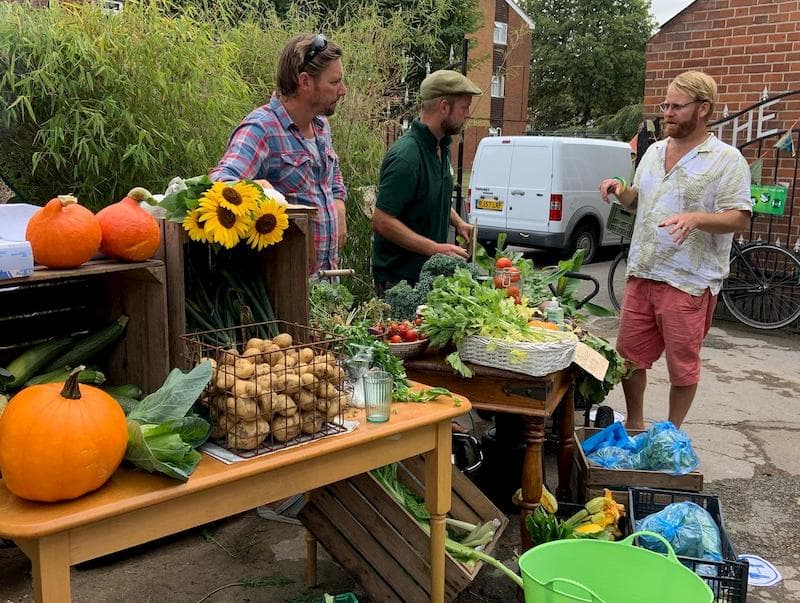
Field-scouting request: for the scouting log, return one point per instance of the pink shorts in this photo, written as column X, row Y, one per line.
column 657, row 317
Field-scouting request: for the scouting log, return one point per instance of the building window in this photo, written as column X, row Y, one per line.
column 498, row 86
column 500, row 33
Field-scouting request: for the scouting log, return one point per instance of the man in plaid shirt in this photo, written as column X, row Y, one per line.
column 286, row 144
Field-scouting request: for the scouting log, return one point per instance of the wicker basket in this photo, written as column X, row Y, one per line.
column 534, row 359
column 408, row 349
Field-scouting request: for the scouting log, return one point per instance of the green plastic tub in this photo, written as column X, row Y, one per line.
column 595, row 571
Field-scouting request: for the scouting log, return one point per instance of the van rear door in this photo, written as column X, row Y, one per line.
column 529, row 188
column 489, row 184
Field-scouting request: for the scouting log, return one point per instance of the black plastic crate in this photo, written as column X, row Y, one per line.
column 620, row 220
column 730, row 582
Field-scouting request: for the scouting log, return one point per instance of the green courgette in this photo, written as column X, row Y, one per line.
column 91, row 345
column 86, row 376
column 32, row 360
column 128, row 390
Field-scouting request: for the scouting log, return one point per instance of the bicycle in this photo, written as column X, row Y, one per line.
column 762, row 289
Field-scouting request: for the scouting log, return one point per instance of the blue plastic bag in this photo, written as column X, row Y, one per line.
column 667, row 448
column 663, row 447
column 613, row 435
column 688, row 527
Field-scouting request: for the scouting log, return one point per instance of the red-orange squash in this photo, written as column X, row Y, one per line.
column 60, row 440
column 129, row 233
column 63, row 234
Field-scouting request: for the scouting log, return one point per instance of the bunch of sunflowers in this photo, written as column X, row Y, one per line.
column 228, row 213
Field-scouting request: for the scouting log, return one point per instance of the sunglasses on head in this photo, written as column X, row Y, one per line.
column 318, row 44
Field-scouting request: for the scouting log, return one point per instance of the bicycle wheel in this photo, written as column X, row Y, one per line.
column 616, row 278
column 763, row 287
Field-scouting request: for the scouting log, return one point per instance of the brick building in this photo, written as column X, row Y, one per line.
column 501, row 58
column 752, row 49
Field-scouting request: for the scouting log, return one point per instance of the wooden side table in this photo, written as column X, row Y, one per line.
column 136, row 507
column 534, row 398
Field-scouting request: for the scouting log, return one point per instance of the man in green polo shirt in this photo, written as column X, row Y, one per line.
column 413, row 209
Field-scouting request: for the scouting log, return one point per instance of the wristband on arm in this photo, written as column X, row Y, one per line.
column 622, row 182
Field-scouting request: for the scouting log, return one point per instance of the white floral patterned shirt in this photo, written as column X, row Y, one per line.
column 713, row 177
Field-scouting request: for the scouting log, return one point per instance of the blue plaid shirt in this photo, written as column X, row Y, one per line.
column 268, row 145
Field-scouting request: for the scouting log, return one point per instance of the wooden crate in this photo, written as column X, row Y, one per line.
column 381, row 545
column 284, row 265
column 59, row 302
column 592, row 479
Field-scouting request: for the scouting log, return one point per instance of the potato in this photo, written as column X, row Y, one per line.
column 305, row 399
column 253, row 355
column 333, row 409
column 213, row 364
column 242, row 409
column 292, row 384
column 244, row 368
column 228, row 356
column 291, row 359
column 311, row 422
column 285, row 428
column 254, row 343
column 283, row 405
column 225, row 379
column 244, row 388
column 308, row 380
column 248, row 435
column 268, row 347
column 265, row 403
column 278, row 381
column 320, row 368
column 326, row 390
column 335, row 374
column 276, row 358
column 306, row 355
column 282, row 340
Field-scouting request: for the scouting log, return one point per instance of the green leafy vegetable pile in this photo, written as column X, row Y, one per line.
column 163, row 434
column 460, row 306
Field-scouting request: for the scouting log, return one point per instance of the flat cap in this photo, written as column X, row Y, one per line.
column 446, row 82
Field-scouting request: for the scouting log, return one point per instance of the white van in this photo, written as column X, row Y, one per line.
column 543, row 191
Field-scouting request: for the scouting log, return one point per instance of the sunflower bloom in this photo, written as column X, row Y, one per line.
column 221, row 224
column 192, row 225
column 269, row 222
column 240, row 198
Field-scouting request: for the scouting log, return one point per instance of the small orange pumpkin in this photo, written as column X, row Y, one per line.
column 60, row 440
column 63, row 234
column 129, row 232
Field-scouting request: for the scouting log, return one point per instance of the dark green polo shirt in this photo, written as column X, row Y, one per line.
column 416, row 187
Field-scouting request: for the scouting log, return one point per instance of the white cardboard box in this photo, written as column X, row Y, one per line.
column 16, row 259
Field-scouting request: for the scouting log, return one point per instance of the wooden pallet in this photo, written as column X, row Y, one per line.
column 381, row 545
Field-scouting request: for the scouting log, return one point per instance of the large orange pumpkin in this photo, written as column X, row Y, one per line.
column 63, row 234
column 129, row 232
column 60, row 440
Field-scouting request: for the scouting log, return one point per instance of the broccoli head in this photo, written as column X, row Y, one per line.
column 446, row 265
column 403, row 300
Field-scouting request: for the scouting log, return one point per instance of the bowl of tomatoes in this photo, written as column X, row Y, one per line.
column 404, row 338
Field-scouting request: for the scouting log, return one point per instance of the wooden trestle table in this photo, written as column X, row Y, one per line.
column 134, row 507
column 534, row 398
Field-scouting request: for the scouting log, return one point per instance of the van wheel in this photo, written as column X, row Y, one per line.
column 584, row 237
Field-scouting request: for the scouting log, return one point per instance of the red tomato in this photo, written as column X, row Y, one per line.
column 498, row 282
column 418, row 321
column 410, row 335
column 513, row 273
column 395, row 339
column 503, row 263
column 402, row 328
column 517, row 300
column 513, row 291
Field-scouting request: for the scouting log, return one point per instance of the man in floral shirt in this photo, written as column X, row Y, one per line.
column 691, row 193
column 286, row 144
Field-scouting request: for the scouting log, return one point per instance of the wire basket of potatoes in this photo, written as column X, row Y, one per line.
column 268, row 393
